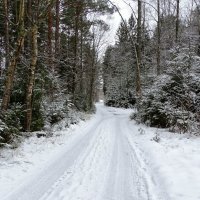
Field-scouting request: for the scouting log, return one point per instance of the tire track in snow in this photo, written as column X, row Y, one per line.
column 142, row 169
column 129, row 177
column 118, row 185
column 88, row 171
column 102, row 164
column 36, row 186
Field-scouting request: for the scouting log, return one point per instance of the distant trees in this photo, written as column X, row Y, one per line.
column 118, row 68
column 168, row 67
column 132, row 41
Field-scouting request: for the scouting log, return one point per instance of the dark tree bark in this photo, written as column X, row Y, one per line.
column 29, row 95
column 76, row 40
column 198, row 10
column 7, row 44
column 57, row 34
column 50, row 33
column 13, row 63
column 81, row 57
column 92, row 74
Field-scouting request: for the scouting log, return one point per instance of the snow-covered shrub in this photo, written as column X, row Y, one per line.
column 174, row 99
column 10, row 125
column 53, row 110
column 60, row 113
column 150, row 108
column 4, row 134
column 121, row 102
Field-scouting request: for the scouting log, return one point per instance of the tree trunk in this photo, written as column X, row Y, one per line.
column 177, row 21
column 81, row 57
column 29, row 25
column 198, row 48
column 158, row 39
column 139, row 49
column 198, row 10
column 75, row 53
column 7, row 49
column 50, row 24
column 92, row 75
column 29, row 96
column 57, row 35
column 12, row 65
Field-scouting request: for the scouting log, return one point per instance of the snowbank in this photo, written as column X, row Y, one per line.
column 16, row 165
column 174, row 161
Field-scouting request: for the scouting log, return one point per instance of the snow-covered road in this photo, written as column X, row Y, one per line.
column 108, row 157
column 101, row 164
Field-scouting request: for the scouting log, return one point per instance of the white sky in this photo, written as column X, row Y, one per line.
column 115, row 19
column 126, row 11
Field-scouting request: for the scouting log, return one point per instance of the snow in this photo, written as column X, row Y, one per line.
column 175, row 162
column 108, row 157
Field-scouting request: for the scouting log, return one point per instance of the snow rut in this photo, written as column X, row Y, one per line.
column 127, row 178
column 39, row 183
column 103, row 164
column 147, row 187
column 117, row 184
column 85, row 178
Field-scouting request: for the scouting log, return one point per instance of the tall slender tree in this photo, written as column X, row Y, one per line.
column 57, row 28
column 34, row 56
column 7, row 43
column 15, row 57
column 158, row 38
column 50, row 33
column 177, row 20
column 198, row 21
column 139, row 48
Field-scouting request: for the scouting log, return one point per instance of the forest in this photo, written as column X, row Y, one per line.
column 51, row 66
column 156, row 70
column 49, row 62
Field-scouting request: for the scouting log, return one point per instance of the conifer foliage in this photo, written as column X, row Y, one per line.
column 48, row 61
column 157, row 71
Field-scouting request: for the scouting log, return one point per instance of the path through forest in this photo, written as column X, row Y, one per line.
column 104, row 163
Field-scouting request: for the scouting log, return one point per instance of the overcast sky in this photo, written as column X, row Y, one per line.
column 115, row 19
column 126, row 11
